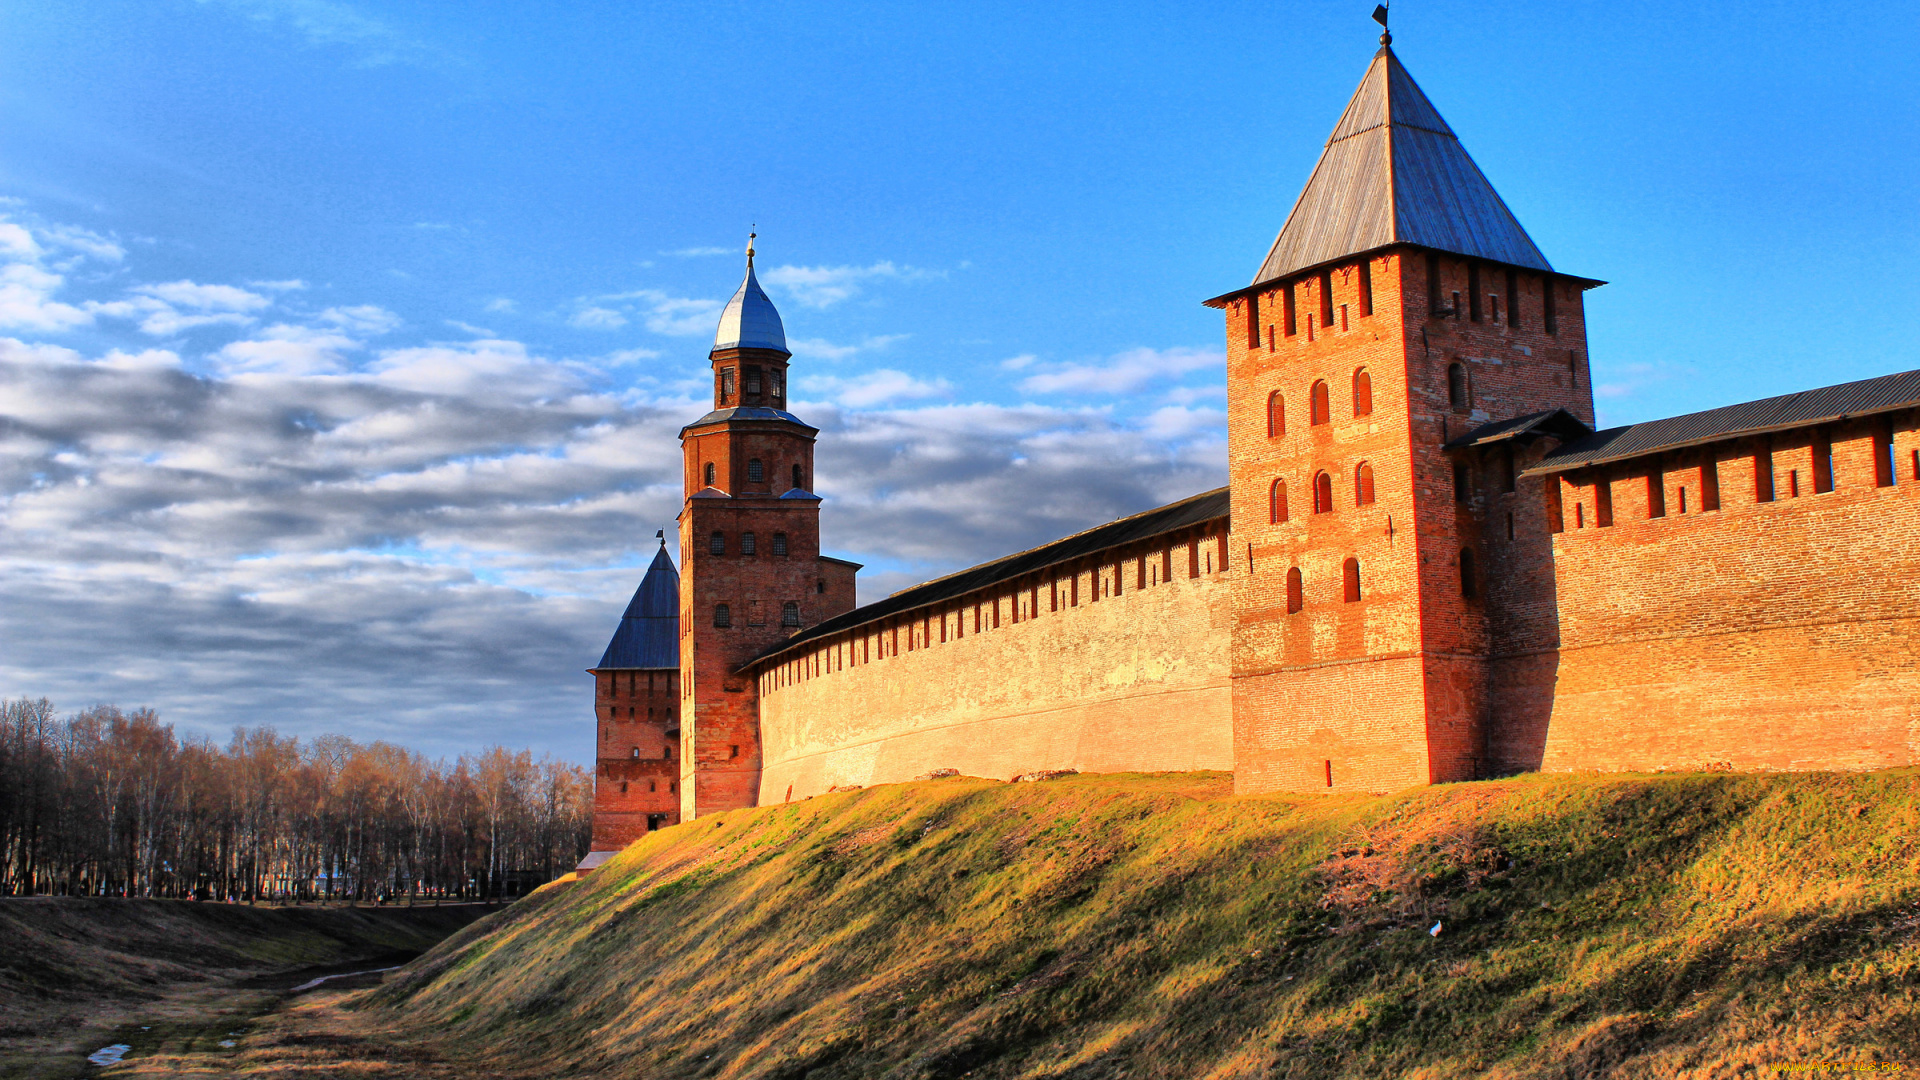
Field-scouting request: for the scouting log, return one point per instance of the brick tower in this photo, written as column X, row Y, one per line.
column 636, row 699
column 1401, row 352
column 750, row 550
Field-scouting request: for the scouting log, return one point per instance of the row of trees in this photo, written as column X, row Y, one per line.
column 110, row 803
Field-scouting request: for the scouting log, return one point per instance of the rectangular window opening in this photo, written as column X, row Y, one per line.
column 1326, row 299
column 1709, row 485
column 1433, row 286
column 1289, row 318
column 1883, row 471
column 1603, row 503
column 1473, row 291
column 1366, row 287
column 1548, row 320
column 1822, row 463
column 1656, row 494
column 1329, row 768
column 1556, row 514
column 1253, row 322
column 1513, row 299
column 1763, row 474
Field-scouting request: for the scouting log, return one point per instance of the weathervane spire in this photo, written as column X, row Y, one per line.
column 751, row 236
column 1380, row 16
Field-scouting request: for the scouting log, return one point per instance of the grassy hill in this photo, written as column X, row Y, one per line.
column 1157, row 926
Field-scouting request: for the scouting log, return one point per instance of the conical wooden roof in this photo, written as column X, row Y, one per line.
column 1393, row 172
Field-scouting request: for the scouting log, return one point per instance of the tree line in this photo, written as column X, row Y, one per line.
column 112, row 803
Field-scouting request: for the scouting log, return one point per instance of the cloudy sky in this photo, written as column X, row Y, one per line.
column 343, row 346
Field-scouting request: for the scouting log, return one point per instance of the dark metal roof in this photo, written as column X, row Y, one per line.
column 1559, row 423
column 649, row 634
column 748, row 412
column 1819, row 406
column 1204, row 507
column 1393, row 172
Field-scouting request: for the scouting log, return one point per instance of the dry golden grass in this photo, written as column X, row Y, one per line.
column 1156, row 926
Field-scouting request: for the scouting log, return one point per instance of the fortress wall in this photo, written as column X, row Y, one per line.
column 1050, row 673
column 1761, row 635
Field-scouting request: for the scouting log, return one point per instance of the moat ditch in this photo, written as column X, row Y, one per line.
column 109, row 987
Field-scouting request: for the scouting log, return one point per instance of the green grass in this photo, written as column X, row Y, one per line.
column 1154, row 925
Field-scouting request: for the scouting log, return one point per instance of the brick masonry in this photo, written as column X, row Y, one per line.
column 1116, row 663
column 637, row 772
column 1782, row 634
column 1385, row 688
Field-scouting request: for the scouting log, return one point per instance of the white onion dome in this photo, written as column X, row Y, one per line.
column 749, row 320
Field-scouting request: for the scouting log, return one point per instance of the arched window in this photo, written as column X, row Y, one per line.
column 1362, row 393
column 1277, row 503
column 1318, row 411
column 717, row 543
column 1457, row 387
column 1276, row 415
column 636, row 752
column 666, row 753
column 1295, row 601
column 756, row 470
column 1466, row 572
column 790, row 614
column 709, row 474
column 797, row 478
column 722, row 616
column 1322, row 493
column 747, row 544
column 1363, row 485
column 780, row 543
column 1350, row 581
column 623, row 787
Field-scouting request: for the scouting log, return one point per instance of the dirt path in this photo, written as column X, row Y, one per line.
column 309, row 1036
column 173, row 981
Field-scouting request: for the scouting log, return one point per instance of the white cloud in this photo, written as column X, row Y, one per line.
column 825, row 286
column 1123, row 373
column 16, row 242
column 366, row 319
column 326, row 22
column 1018, row 363
column 289, row 350
column 695, row 252
column 629, row 356
column 190, row 294
column 598, row 318
column 289, row 285
column 819, row 349
column 26, row 300
column 875, row 388
column 499, row 303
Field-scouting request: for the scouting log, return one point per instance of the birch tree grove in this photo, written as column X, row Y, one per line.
column 112, row 803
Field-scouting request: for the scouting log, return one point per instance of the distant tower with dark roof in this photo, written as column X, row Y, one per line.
column 749, row 548
column 1401, row 316
column 636, row 704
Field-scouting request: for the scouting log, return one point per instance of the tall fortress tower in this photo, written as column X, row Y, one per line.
column 752, row 573
column 1401, row 308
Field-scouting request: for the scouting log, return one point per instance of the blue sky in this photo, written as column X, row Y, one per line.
column 346, row 344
